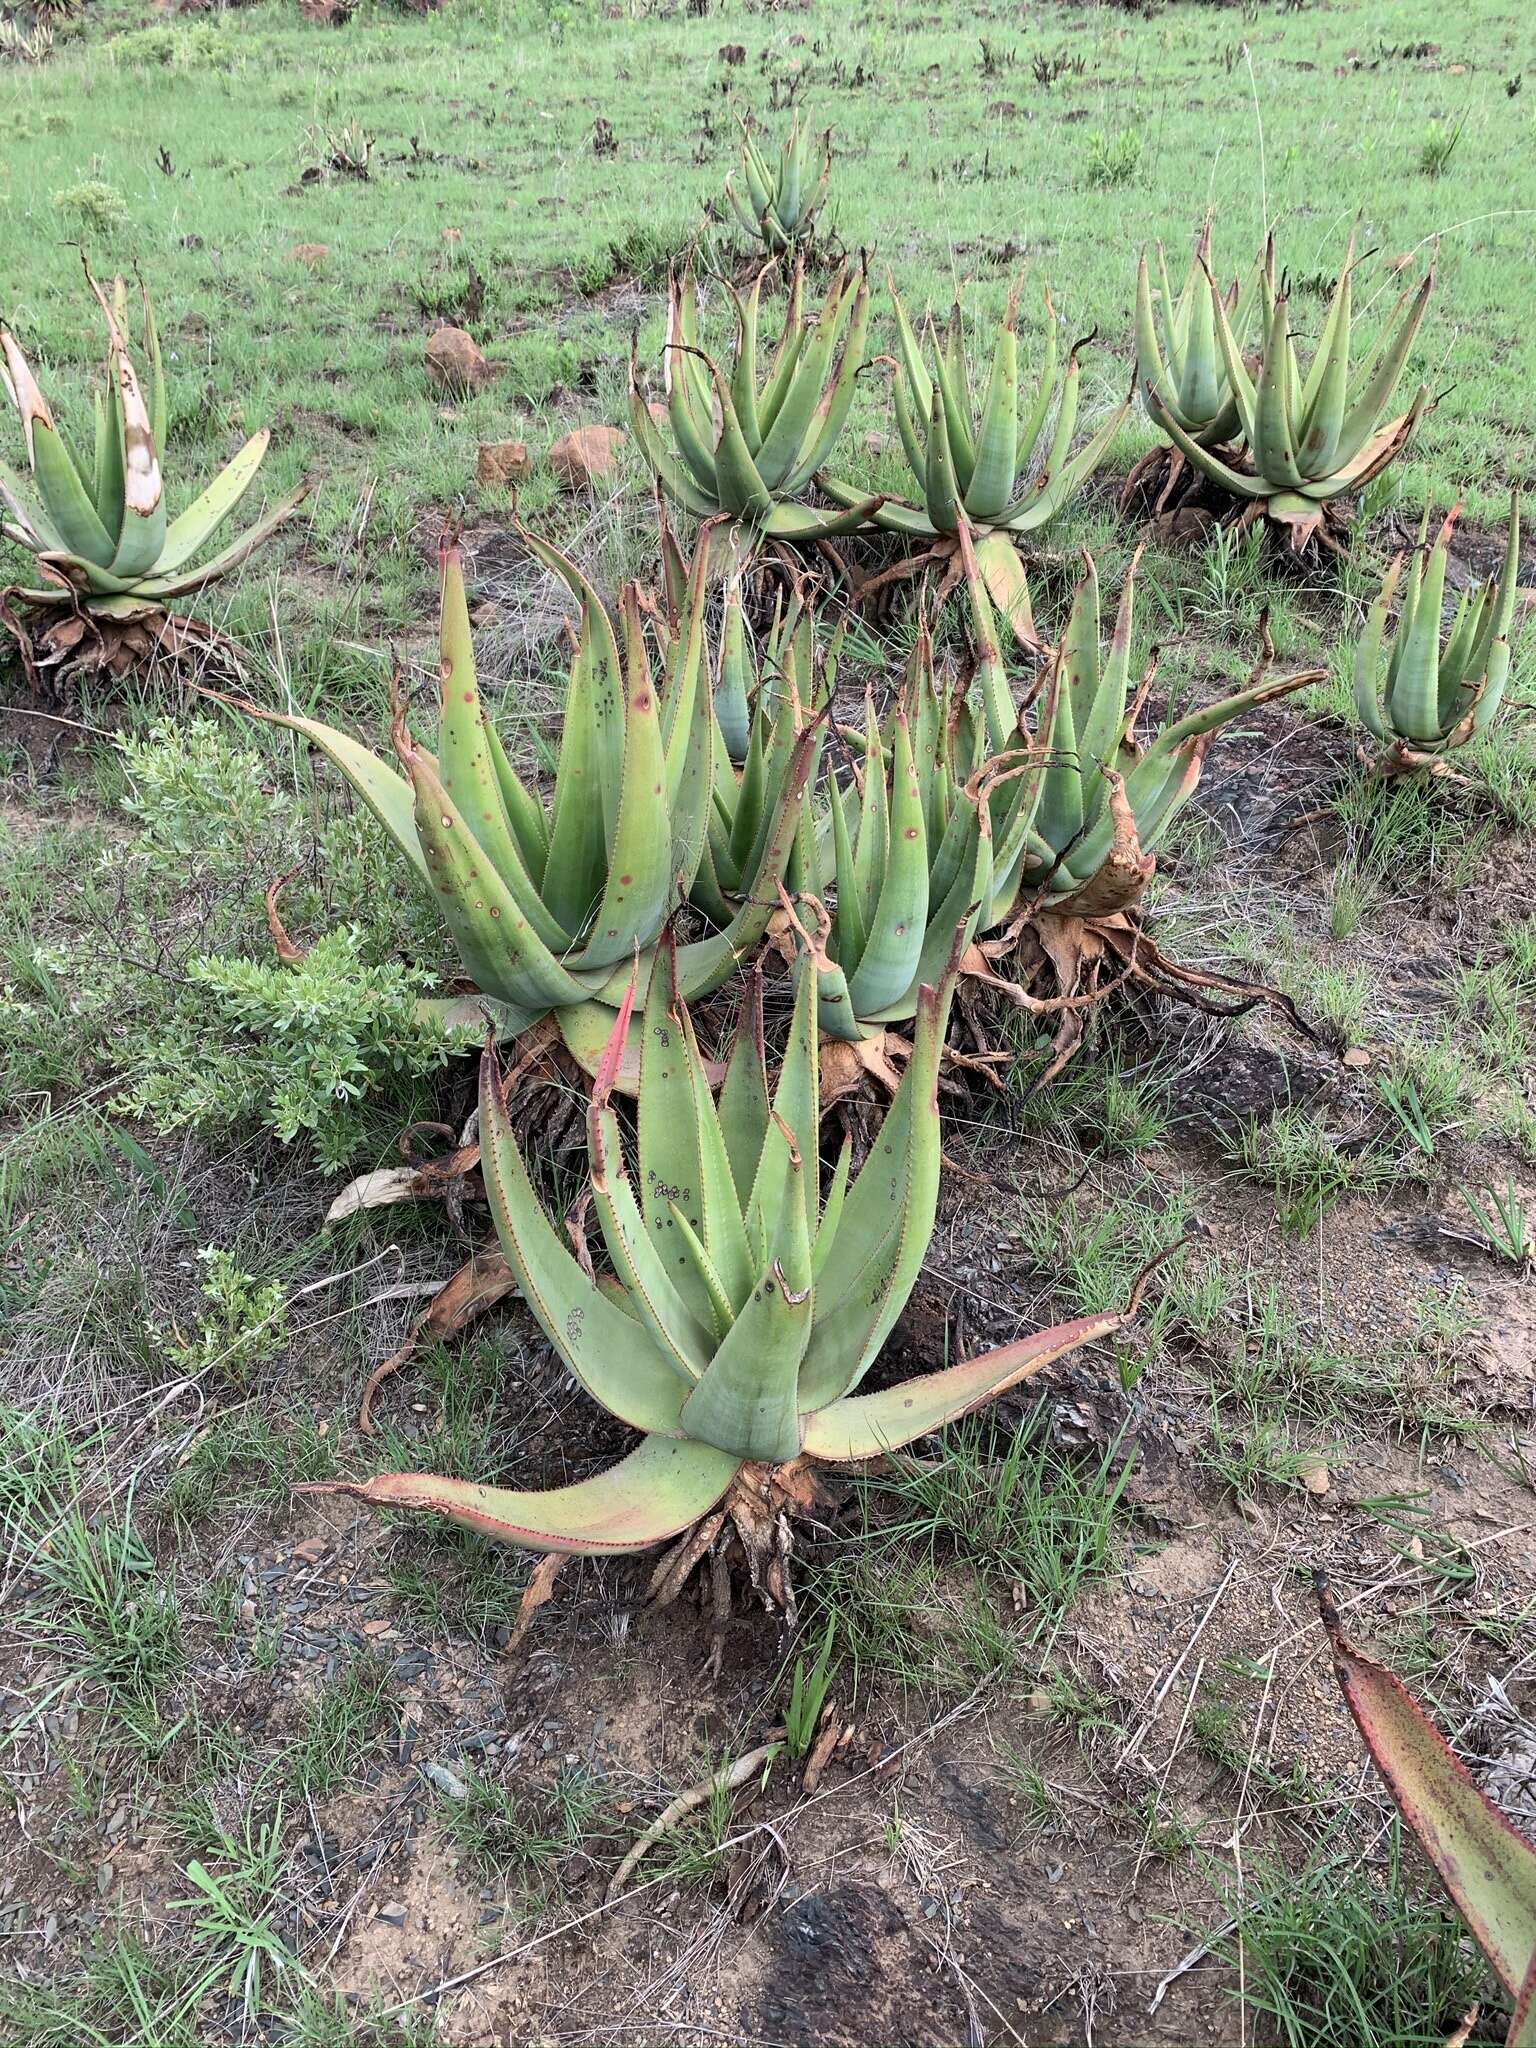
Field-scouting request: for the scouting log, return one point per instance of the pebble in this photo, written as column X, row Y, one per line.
column 393, row 1915
column 450, row 1786
column 103, row 1879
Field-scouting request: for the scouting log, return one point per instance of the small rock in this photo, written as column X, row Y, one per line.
column 104, row 1875
column 393, row 1915
column 309, row 253
column 1316, row 1478
column 587, row 457
column 450, row 1786
column 454, row 364
column 453, row 234
column 502, row 462
column 1357, row 1056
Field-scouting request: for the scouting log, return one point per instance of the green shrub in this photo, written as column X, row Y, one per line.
column 93, row 204
column 246, row 1323
column 293, row 1048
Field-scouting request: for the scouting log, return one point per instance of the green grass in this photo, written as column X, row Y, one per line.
column 341, row 1720
column 1335, row 1956
column 542, row 1838
column 968, row 1558
column 135, row 121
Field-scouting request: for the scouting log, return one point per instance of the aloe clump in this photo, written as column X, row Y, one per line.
column 96, row 520
column 1178, row 358
column 549, row 900
column 929, row 837
column 967, row 457
column 1107, row 799
column 744, row 1300
column 1311, row 436
column 780, row 201
column 768, row 710
column 748, row 447
column 1439, row 690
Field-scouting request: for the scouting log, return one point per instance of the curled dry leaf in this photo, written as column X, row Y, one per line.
column 479, row 1284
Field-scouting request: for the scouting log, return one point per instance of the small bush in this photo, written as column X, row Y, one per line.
column 294, row 1048
column 245, row 1326
column 94, row 204
column 1112, row 160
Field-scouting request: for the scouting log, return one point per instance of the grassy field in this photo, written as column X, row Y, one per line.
column 270, row 1771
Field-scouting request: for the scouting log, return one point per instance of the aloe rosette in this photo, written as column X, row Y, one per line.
column 968, row 458
column 1178, row 358
column 1310, row 436
column 742, row 1304
column 1106, row 800
column 778, row 203
column 768, row 712
column 1100, row 803
column 1437, row 690
column 747, row 447
column 98, row 524
column 929, row 836
column 550, row 902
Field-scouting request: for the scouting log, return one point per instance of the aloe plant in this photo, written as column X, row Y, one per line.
column 1107, row 801
column 1486, row 1865
column 781, row 201
column 550, row 901
column 929, row 836
column 1439, row 691
column 744, row 1302
column 1178, row 359
column 1310, row 437
column 98, row 524
column 766, row 711
column 747, row 448
column 968, row 460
